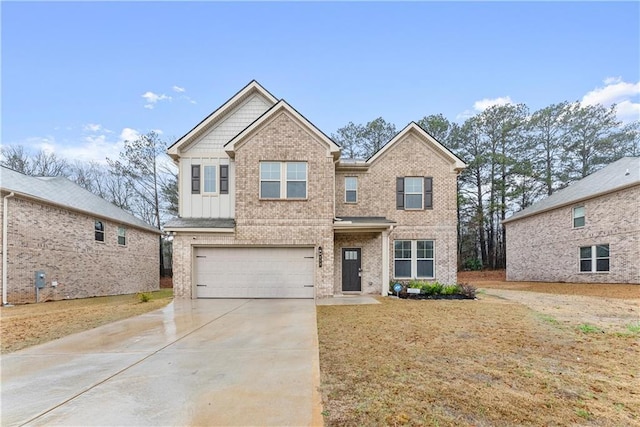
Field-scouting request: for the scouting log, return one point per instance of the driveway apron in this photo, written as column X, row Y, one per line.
column 193, row 363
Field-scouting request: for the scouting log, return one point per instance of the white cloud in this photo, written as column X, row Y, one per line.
column 616, row 91
column 92, row 127
column 485, row 103
column 178, row 89
column 129, row 134
column 153, row 98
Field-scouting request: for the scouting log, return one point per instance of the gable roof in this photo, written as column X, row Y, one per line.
column 415, row 128
column 208, row 122
column 282, row 105
column 64, row 193
column 618, row 175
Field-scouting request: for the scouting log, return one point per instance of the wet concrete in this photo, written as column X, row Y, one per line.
column 197, row 363
column 348, row 300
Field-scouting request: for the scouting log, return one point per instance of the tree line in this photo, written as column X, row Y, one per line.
column 514, row 156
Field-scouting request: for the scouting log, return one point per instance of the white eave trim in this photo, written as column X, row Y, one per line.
column 458, row 164
column 199, row 230
column 253, row 87
column 282, row 105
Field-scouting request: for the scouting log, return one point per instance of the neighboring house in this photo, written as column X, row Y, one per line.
column 83, row 245
column 268, row 209
column 588, row 232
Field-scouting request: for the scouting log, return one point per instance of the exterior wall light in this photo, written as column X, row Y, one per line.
column 319, row 256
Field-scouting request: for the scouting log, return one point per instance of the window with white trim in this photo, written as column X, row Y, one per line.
column 413, row 192
column 293, row 186
column 351, row 189
column 578, row 217
column 594, row 259
column 99, row 231
column 414, row 259
column 209, row 180
column 122, row 236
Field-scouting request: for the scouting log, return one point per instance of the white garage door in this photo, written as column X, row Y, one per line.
column 254, row 272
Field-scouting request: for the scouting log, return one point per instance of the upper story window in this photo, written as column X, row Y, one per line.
column 99, row 231
column 122, row 236
column 351, row 189
column 578, row 217
column 414, row 193
column 273, row 186
column 594, row 259
column 209, row 179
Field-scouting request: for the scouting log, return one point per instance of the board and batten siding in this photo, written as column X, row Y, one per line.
column 206, row 205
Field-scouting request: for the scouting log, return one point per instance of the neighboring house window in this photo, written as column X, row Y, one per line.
column 195, row 179
column 99, row 231
column 209, row 179
column 578, row 217
column 413, row 259
column 414, row 193
column 351, row 189
column 594, row 259
column 272, row 186
column 122, row 236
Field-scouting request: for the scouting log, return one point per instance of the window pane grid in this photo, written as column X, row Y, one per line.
column 413, row 193
column 594, row 258
column 414, row 258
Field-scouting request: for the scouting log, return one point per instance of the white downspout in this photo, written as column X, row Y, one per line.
column 5, row 224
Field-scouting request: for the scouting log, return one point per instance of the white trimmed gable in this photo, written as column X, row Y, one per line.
column 230, row 125
column 412, row 127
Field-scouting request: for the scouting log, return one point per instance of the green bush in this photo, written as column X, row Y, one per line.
column 473, row 264
column 450, row 290
column 144, row 297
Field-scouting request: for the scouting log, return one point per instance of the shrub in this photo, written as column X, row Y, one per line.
column 450, row 290
column 472, row 264
column 415, row 284
column 144, row 297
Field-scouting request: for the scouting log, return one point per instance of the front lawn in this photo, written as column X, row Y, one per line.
column 484, row 362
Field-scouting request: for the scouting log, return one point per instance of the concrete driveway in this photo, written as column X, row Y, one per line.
column 193, row 363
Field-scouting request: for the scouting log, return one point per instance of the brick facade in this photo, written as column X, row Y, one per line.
column 545, row 247
column 282, row 135
column 62, row 243
column 410, row 156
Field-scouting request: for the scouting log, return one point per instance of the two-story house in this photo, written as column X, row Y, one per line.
column 588, row 232
column 268, row 209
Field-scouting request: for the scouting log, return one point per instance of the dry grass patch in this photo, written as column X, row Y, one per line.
column 30, row 324
column 483, row 363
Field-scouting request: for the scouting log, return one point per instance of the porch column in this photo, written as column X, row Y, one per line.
column 385, row 262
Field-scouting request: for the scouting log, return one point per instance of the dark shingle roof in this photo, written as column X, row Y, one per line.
column 62, row 192
column 619, row 174
column 365, row 219
column 200, row 223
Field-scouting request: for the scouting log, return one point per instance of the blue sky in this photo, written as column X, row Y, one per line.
column 79, row 77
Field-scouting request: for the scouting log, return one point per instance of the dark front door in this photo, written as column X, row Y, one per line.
column 351, row 270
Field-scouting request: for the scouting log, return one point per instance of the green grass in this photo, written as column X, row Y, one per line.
column 583, row 413
column 589, row 329
column 634, row 328
column 549, row 319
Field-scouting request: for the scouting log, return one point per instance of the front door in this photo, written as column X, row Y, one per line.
column 351, row 270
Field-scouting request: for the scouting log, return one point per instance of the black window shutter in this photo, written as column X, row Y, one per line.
column 195, row 179
column 224, row 179
column 400, row 193
column 428, row 192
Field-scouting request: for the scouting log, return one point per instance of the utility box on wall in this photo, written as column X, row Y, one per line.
column 40, row 279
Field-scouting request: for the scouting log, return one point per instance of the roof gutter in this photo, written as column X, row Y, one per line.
column 5, row 223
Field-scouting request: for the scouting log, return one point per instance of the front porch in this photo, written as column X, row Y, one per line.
column 361, row 255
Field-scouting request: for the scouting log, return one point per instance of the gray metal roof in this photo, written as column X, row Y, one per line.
column 62, row 192
column 200, row 223
column 364, row 219
column 619, row 174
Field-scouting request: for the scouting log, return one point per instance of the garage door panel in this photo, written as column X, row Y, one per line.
column 254, row 272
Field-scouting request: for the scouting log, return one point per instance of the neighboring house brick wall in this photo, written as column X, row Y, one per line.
column 545, row 247
column 61, row 242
